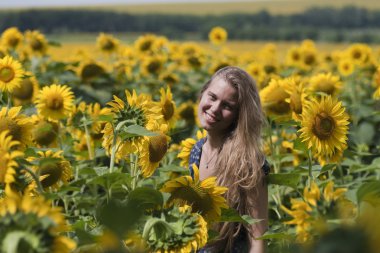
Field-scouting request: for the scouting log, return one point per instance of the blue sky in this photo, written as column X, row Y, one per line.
column 47, row 3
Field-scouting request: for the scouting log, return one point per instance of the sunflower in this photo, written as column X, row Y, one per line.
column 168, row 107
column 326, row 83
column 257, row 71
column 39, row 224
column 139, row 110
column 11, row 37
column 294, row 86
column 346, row 67
column 93, row 114
column 324, row 126
column 45, row 132
column 27, row 91
column 55, row 102
column 37, row 42
column 18, row 125
column 218, row 64
column 308, row 58
column 81, row 149
column 274, row 98
column 96, row 112
column 187, row 145
column 90, row 70
column 152, row 152
column 11, row 74
column 7, row 157
column 52, row 168
column 144, row 44
column 190, row 55
column 301, row 214
column 169, row 78
column 152, row 65
column 107, row 43
column 204, row 196
column 160, row 44
column 293, row 57
column 218, row 35
column 335, row 157
column 177, row 230
column 308, row 214
column 360, row 54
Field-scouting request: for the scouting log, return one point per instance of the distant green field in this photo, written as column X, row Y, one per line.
column 273, row 6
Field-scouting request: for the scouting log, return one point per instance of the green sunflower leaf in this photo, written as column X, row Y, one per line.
column 17, row 240
column 146, row 198
column 139, row 130
column 368, row 192
column 231, row 215
column 286, row 179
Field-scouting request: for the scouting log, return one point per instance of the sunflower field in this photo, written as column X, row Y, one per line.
column 94, row 148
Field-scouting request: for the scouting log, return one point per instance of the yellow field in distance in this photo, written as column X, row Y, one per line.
column 68, row 49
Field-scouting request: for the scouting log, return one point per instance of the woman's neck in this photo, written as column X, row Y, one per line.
column 214, row 141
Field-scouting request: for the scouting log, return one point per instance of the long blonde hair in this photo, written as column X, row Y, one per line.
column 240, row 160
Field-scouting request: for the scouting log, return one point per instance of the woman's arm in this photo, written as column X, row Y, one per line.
column 260, row 211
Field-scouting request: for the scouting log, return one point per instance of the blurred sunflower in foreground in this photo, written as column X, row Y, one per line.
column 31, row 224
column 324, row 126
column 310, row 215
column 177, row 230
column 204, row 196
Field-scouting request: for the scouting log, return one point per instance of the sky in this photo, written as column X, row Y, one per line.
column 48, row 3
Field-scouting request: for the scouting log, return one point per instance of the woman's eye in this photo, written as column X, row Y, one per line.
column 228, row 107
column 213, row 98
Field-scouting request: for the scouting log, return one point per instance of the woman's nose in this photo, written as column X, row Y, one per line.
column 215, row 107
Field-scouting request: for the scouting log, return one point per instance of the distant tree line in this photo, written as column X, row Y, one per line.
column 329, row 24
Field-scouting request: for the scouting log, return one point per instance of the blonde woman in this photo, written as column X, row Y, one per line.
column 230, row 110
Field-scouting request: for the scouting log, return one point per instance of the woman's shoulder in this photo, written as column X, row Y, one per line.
column 196, row 150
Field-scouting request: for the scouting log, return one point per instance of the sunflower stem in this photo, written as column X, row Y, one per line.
column 134, row 170
column 59, row 136
column 88, row 139
column 9, row 103
column 113, row 151
column 310, row 167
column 341, row 173
column 35, row 178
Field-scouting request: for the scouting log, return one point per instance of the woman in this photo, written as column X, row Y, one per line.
column 230, row 110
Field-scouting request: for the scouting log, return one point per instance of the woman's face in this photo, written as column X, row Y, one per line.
column 218, row 107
